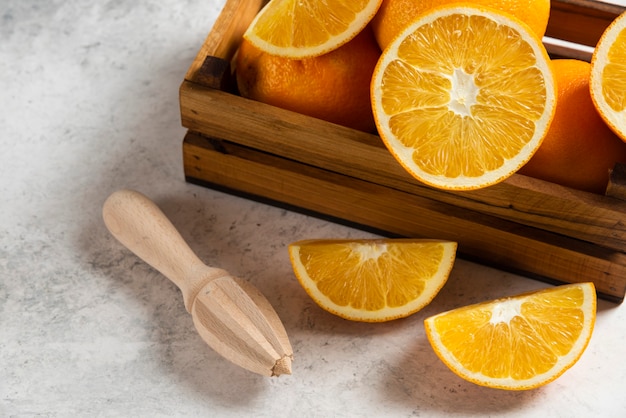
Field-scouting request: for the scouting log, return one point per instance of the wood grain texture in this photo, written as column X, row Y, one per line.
column 521, row 224
column 580, row 21
column 232, row 316
column 225, row 36
column 490, row 240
column 617, row 182
column 589, row 217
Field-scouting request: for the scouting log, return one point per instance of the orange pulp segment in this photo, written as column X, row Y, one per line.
column 307, row 28
column 516, row 343
column 463, row 96
column 608, row 76
column 372, row 280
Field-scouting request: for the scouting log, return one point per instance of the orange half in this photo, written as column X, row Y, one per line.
column 463, row 97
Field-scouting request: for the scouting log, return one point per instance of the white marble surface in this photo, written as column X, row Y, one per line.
column 88, row 105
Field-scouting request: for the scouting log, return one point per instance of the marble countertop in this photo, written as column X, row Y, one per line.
column 89, row 105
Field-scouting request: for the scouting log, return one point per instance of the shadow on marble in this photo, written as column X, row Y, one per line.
column 418, row 380
column 144, row 153
column 251, row 243
column 156, row 317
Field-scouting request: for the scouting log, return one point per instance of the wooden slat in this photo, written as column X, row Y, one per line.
column 225, row 36
column 580, row 21
column 521, row 224
column 528, row 201
column 487, row 239
column 617, row 182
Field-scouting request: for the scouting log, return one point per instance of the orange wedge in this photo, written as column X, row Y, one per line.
column 516, row 343
column 372, row 280
column 308, row 28
column 463, row 96
column 608, row 76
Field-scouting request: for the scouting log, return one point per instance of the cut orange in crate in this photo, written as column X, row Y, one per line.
column 521, row 224
column 463, row 96
column 608, row 76
column 516, row 343
column 372, row 280
column 305, row 28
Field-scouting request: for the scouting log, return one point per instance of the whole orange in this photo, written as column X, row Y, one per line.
column 579, row 149
column 394, row 15
column 333, row 87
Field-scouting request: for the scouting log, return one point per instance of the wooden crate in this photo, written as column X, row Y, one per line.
column 523, row 225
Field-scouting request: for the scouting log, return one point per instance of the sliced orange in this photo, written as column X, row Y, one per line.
column 308, row 28
column 463, row 96
column 372, row 280
column 516, row 343
column 608, row 76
